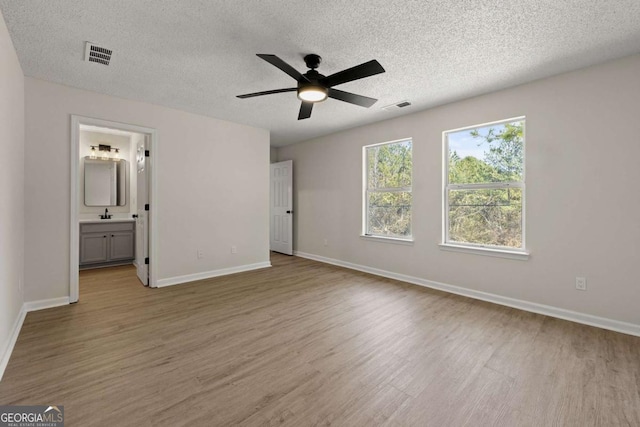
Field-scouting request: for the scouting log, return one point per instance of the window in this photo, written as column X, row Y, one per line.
column 387, row 189
column 484, row 186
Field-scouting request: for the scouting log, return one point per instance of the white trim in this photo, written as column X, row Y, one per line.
column 395, row 141
column 57, row 302
column 46, row 303
column 547, row 310
column 481, row 125
column 486, row 186
column 11, row 342
column 480, row 250
column 74, row 251
column 387, row 239
column 74, row 228
column 209, row 274
column 17, row 325
column 153, row 212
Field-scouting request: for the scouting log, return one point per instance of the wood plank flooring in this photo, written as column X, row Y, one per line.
column 305, row 343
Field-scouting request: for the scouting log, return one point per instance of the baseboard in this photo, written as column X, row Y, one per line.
column 56, row 302
column 11, row 342
column 17, row 326
column 547, row 310
column 209, row 274
column 45, row 303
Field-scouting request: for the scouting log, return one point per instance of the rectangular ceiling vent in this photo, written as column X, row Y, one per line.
column 396, row 106
column 93, row 53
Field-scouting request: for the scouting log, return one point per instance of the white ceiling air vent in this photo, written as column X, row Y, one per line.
column 93, row 53
column 396, row 106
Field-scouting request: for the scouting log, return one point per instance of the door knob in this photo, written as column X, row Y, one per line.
column 134, row 216
column 289, row 212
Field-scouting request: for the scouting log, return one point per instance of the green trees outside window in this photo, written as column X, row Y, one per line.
column 388, row 189
column 485, row 185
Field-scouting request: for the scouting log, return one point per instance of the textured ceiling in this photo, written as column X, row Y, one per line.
column 197, row 55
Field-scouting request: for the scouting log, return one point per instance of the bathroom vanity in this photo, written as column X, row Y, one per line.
column 106, row 242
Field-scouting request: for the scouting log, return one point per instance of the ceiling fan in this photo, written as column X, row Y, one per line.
column 314, row 87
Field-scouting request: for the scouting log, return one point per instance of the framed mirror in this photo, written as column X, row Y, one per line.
column 105, row 182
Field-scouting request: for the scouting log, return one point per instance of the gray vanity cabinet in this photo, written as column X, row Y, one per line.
column 93, row 248
column 106, row 243
column 121, row 245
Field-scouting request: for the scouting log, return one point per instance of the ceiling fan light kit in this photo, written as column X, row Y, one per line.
column 312, row 93
column 314, row 87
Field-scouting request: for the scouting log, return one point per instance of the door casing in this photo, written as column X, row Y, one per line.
column 142, row 216
column 74, row 232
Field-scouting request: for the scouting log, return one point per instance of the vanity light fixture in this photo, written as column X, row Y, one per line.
column 105, row 151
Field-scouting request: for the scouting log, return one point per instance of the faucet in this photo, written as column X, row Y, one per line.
column 106, row 214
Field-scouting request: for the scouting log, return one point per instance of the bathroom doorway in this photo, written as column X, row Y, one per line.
column 113, row 186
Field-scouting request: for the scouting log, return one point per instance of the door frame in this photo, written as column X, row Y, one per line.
column 74, row 233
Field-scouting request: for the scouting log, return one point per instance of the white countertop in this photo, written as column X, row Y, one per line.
column 82, row 221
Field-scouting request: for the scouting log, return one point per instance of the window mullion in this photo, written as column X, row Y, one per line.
column 485, row 185
column 390, row 190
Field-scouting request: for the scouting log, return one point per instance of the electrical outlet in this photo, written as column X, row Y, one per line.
column 581, row 283
column 326, row 242
column 234, row 249
column 200, row 254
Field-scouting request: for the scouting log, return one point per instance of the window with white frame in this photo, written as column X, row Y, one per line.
column 387, row 189
column 484, row 186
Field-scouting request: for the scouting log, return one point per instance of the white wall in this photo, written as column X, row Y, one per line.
column 11, row 189
column 213, row 189
column 582, row 160
column 124, row 144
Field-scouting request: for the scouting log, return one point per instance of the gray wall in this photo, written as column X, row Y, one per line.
column 213, row 186
column 582, row 168
column 11, row 190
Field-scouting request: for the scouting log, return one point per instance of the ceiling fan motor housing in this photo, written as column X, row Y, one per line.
column 312, row 60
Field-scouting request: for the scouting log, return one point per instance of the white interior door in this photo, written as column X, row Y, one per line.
column 281, row 211
column 142, row 220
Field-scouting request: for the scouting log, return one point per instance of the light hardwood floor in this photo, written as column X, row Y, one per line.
column 305, row 343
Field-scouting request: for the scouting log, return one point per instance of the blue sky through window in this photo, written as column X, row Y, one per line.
column 465, row 145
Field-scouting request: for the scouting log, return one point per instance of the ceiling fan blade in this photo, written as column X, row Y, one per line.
column 352, row 98
column 267, row 92
column 305, row 110
column 367, row 69
column 279, row 63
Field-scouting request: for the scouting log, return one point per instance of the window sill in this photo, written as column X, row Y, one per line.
column 500, row 253
column 394, row 240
